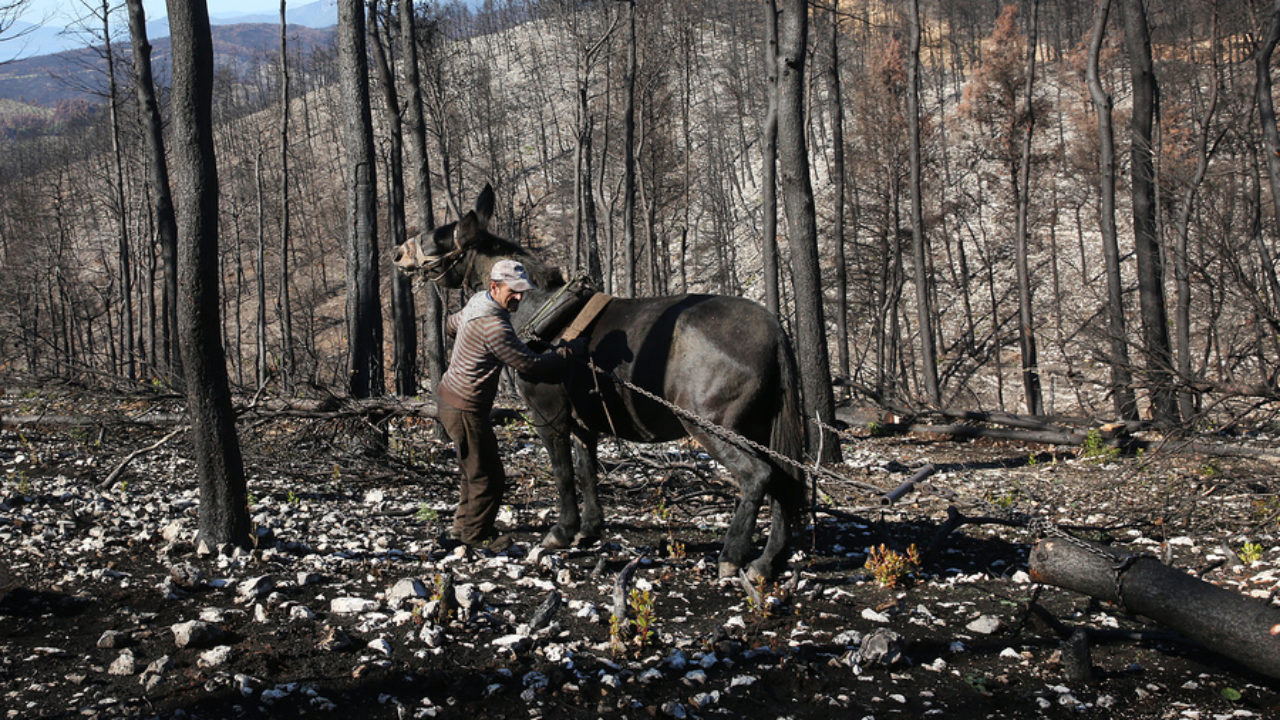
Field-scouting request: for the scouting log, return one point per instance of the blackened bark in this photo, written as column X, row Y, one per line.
column 284, row 302
column 404, row 338
column 420, row 171
column 769, row 173
column 224, row 513
column 919, row 242
column 166, row 224
column 837, row 142
column 797, row 192
column 1121, row 391
column 1155, row 320
column 1223, row 621
column 1026, row 318
column 363, row 312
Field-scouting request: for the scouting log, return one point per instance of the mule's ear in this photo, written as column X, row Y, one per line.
column 466, row 230
column 484, row 206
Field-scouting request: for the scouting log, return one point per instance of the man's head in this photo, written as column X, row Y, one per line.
column 508, row 282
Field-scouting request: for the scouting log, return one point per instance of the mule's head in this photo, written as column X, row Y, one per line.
column 461, row 254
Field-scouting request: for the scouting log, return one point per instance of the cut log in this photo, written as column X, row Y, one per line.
column 1220, row 620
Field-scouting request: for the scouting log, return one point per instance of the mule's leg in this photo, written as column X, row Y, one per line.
column 557, row 443
column 753, row 477
column 585, row 463
column 767, row 565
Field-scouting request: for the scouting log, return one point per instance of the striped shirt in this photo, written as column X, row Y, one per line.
column 485, row 342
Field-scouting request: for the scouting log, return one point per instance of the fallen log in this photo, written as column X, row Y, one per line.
column 896, row 494
column 1220, row 620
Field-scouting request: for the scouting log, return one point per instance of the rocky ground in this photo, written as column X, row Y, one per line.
column 349, row 607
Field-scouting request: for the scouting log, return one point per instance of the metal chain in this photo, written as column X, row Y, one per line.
column 725, row 433
column 1039, row 525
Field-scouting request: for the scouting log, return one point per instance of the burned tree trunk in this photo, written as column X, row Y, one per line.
column 1222, row 621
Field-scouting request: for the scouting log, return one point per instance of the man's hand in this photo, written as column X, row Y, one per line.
column 572, row 349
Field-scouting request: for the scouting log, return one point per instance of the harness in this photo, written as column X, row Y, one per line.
column 568, row 313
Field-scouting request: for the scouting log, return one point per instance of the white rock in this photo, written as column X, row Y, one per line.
column 172, row 531
column 705, row 700
column 649, row 676
column 743, row 681
column 514, row 640
column 125, row 664
column 195, row 633
column 215, row 657
column 695, row 677
column 253, row 588
column 375, row 496
column 352, row 605
column 112, row 639
column 301, row 612
column 432, row 635
column 671, row 708
column 405, row 589
column 160, row 665
column 380, row 646
column 873, row 616
column 984, row 625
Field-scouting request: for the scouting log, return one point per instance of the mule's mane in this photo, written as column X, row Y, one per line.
column 543, row 275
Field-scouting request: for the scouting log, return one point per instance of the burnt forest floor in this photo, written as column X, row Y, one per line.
column 339, row 612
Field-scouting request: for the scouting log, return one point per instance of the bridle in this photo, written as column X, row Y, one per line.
column 439, row 266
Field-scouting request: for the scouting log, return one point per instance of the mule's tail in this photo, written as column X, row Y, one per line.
column 787, row 437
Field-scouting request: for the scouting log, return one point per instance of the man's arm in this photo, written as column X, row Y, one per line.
column 508, row 348
column 452, row 323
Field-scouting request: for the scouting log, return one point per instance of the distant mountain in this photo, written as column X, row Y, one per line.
column 320, row 14
column 46, row 80
column 30, row 41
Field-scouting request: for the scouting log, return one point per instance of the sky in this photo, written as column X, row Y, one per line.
column 64, row 12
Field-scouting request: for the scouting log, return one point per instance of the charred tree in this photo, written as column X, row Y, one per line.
column 1022, row 191
column 363, row 312
column 404, row 336
column 797, row 192
column 420, row 172
column 166, row 224
column 224, row 512
column 1121, row 380
column 284, row 301
column 919, row 241
column 1155, row 321
column 769, row 173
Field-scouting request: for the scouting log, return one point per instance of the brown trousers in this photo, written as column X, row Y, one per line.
column 483, row 479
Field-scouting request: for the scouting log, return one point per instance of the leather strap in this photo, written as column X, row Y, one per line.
column 595, row 305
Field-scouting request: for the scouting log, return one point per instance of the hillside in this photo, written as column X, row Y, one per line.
column 46, row 80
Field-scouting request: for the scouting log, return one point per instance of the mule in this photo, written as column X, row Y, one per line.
column 724, row 359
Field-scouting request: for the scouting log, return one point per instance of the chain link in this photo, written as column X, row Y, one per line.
column 725, row 433
column 1039, row 525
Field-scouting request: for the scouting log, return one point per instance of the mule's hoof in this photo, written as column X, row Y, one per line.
column 557, row 540
column 757, row 575
column 728, row 569
column 584, row 540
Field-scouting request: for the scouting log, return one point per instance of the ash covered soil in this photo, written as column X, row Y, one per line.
column 344, row 609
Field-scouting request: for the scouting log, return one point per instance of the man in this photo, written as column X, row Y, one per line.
column 486, row 342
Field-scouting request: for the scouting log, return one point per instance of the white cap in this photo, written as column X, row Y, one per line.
column 513, row 274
